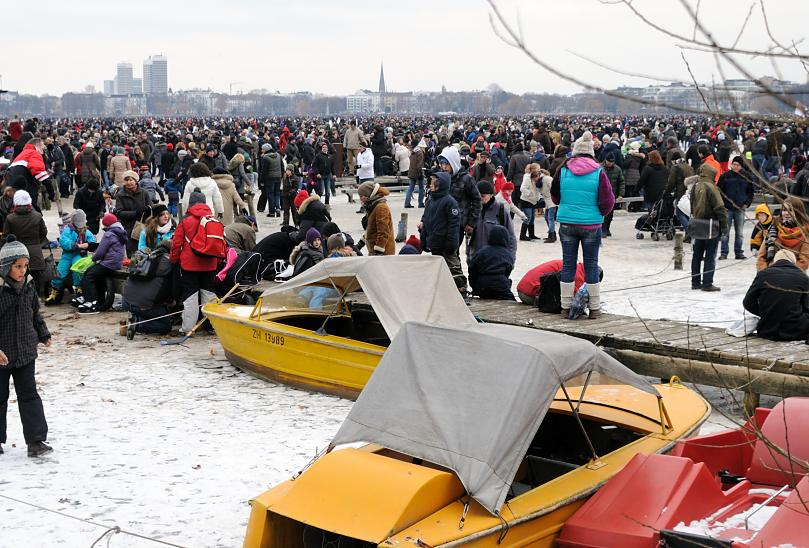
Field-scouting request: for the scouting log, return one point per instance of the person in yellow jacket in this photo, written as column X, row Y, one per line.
column 763, row 222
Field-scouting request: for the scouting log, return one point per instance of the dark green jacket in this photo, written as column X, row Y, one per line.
column 616, row 177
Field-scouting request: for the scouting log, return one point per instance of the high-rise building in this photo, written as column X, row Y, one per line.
column 124, row 79
column 109, row 87
column 155, row 75
column 137, row 86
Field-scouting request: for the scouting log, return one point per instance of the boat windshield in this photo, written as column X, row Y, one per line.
column 308, row 297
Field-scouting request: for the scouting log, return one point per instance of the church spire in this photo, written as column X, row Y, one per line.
column 382, row 78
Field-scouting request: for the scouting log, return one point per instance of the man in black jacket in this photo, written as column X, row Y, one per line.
column 736, row 187
column 271, row 169
column 322, row 167
column 779, row 295
column 440, row 227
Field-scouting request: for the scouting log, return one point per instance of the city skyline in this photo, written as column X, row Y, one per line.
column 449, row 44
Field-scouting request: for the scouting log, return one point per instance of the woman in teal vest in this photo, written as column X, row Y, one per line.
column 584, row 194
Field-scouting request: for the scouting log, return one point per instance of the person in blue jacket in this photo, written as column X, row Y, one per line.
column 491, row 267
column 76, row 241
column 441, row 227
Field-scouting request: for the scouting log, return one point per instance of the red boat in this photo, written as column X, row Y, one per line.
column 734, row 489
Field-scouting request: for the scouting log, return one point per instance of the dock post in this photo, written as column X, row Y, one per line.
column 401, row 232
column 678, row 251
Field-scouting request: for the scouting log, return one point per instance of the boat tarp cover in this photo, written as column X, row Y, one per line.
column 400, row 288
column 472, row 399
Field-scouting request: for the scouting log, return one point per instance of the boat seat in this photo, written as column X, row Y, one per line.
column 768, row 467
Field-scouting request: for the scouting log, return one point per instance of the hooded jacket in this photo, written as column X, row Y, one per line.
column 653, row 180
column 111, row 249
column 312, row 213
column 493, row 214
column 240, row 235
column 491, row 267
column 118, row 165
column 152, row 189
column 90, row 165
column 761, row 229
column 379, row 232
column 181, row 252
column 531, row 282
column 779, row 295
column 463, row 188
column 706, row 200
column 230, row 198
column 206, row 185
column 236, row 170
column 89, row 201
column 271, row 167
column 583, row 192
column 441, row 222
column 27, row 171
column 29, row 228
column 276, row 246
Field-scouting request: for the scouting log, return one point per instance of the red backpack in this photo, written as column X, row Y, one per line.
column 209, row 239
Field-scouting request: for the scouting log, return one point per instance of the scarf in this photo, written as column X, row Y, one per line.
column 165, row 229
column 789, row 236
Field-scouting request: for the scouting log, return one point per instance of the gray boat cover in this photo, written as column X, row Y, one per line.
column 472, row 399
column 400, row 288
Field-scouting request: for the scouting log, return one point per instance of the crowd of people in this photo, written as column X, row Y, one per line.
column 153, row 198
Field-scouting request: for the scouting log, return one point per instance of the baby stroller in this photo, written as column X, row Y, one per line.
column 660, row 220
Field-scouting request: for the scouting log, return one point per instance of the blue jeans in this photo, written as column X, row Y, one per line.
column 703, row 250
column 550, row 218
column 758, row 161
column 273, row 195
column 530, row 215
column 409, row 193
column 682, row 217
column 571, row 236
column 735, row 220
column 324, row 186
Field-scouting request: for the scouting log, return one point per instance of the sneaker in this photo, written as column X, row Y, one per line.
column 77, row 301
column 130, row 328
column 711, row 288
column 696, row 287
column 740, row 257
column 89, row 308
column 39, row 448
column 723, row 257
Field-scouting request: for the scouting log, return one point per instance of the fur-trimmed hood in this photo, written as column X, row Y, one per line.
column 307, row 201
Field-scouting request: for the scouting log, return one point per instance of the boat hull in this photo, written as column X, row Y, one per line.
column 273, row 351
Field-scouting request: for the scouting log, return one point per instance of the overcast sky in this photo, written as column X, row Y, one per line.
column 336, row 46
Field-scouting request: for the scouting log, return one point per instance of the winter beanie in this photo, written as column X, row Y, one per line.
column 108, row 220
column 311, row 235
column 782, row 255
column 414, row 241
column 196, row 197
column 368, row 189
column 22, row 198
column 584, row 145
column 10, row 252
column 737, row 160
column 129, row 173
column 335, row 242
column 78, row 219
column 485, row 187
column 300, row 197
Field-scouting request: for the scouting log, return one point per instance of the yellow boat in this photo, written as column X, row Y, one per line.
column 308, row 333
column 487, row 436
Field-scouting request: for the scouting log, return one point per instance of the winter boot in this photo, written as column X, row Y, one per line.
column 531, row 235
column 55, row 297
column 551, row 238
column 524, row 234
column 90, row 307
column 38, row 448
column 566, row 290
column 78, row 300
column 595, row 300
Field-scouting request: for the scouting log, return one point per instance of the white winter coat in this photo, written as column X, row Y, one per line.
column 206, row 185
column 402, row 156
column 365, row 163
column 529, row 191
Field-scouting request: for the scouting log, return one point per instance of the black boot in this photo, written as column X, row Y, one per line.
column 531, row 235
column 551, row 238
column 524, row 234
column 39, row 448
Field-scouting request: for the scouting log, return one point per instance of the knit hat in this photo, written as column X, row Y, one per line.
column 300, row 197
column 610, row 157
column 414, row 241
column 312, row 234
column 169, row 147
column 158, row 209
column 182, row 153
column 738, row 160
column 485, row 187
column 408, row 249
column 781, row 255
column 78, row 219
column 10, row 252
column 635, row 145
column 368, row 189
column 108, row 220
column 196, row 197
column 335, row 241
column 89, row 145
column 584, row 145
column 266, row 147
column 129, row 173
column 22, row 198
column 507, row 186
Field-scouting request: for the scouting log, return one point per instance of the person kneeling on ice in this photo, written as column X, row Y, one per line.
column 21, row 329
column 537, row 281
column 75, row 242
column 148, row 299
column 491, row 267
column 779, row 295
column 107, row 259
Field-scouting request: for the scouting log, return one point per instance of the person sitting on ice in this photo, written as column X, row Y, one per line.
column 490, row 268
column 779, row 295
column 412, row 246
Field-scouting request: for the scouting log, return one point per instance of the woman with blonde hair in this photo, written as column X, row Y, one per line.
column 790, row 230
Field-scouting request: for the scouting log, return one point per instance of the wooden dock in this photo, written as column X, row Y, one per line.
column 662, row 348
